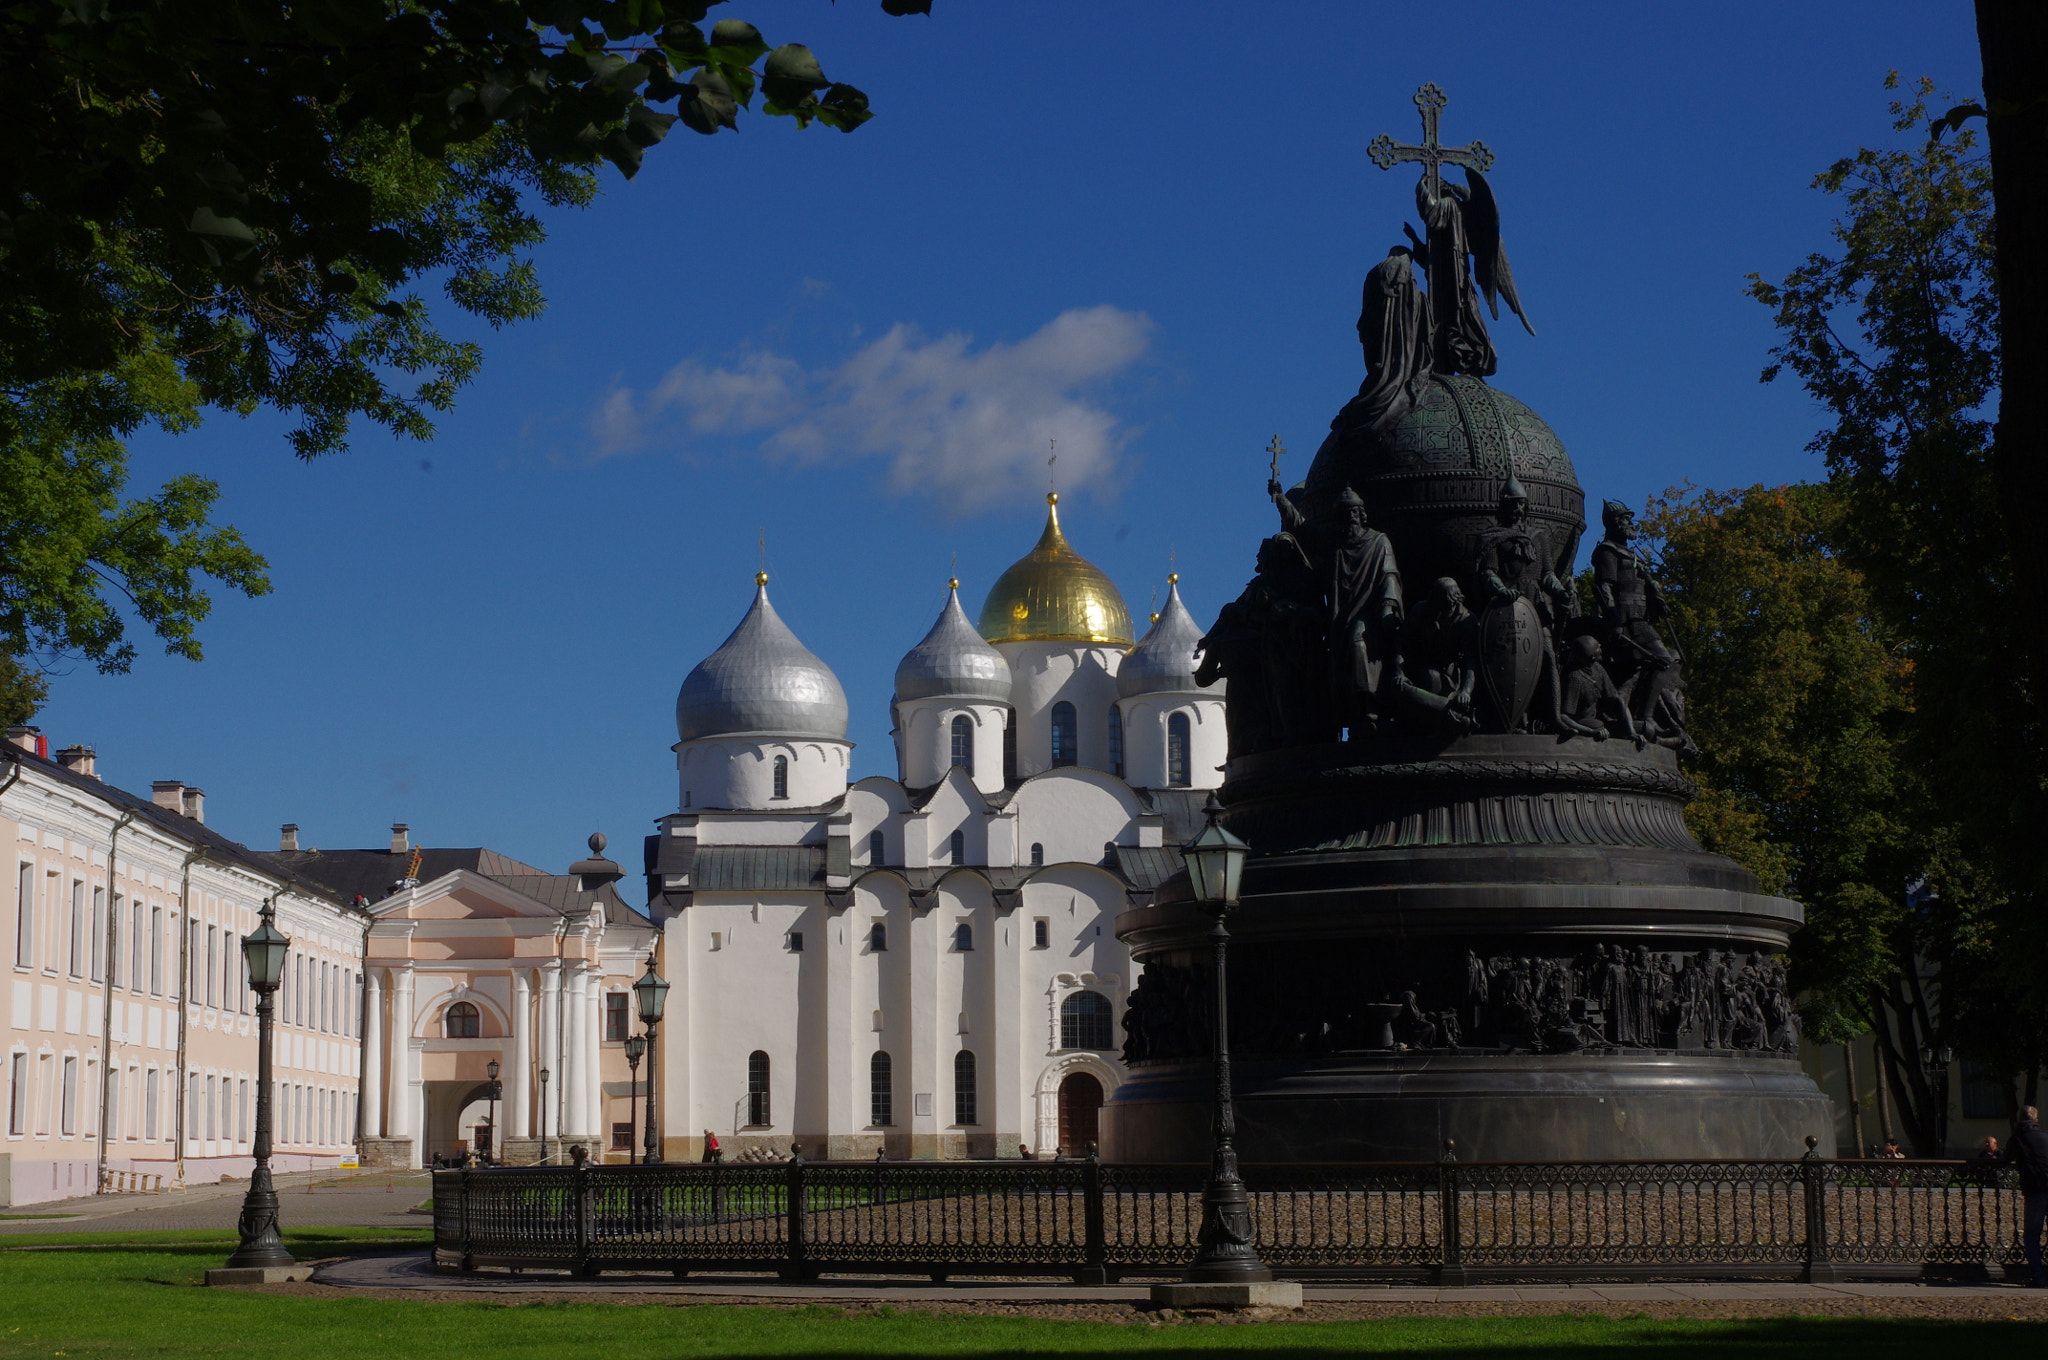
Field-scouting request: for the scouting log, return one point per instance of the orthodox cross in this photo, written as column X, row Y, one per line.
column 1387, row 153
column 1276, row 450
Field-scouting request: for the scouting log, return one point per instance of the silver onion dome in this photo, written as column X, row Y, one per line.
column 761, row 680
column 1163, row 662
column 953, row 661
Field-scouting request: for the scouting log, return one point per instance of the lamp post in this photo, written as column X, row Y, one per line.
column 1934, row 1063
column 636, row 1046
column 1215, row 861
column 651, row 992
column 543, row 1116
column 491, row 1120
column 264, row 949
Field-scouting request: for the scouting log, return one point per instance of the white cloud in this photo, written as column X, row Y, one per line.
column 968, row 427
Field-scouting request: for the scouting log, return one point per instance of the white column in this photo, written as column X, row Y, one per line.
column 404, row 1118
column 550, row 1047
column 571, row 1103
column 518, row 1105
column 593, row 1044
column 373, row 1054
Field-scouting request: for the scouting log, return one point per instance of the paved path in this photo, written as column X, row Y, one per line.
column 306, row 1199
column 410, row 1270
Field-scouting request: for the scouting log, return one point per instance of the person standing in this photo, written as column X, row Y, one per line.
column 2029, row 1152
column 712, row 1152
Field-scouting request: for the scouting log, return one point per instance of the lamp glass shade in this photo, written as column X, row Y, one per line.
column 651, row 992
column 491, row 1068
column 265, row 948
column 1215, row 862
column 636, row 1047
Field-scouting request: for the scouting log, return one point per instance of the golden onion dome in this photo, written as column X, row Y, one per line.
column 1053, row 594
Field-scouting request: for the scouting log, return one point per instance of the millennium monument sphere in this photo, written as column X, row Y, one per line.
column 1473, row 911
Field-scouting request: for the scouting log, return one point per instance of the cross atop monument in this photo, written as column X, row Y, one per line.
column 1387, row 153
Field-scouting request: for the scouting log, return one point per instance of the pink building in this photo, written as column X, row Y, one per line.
column 130, row 1039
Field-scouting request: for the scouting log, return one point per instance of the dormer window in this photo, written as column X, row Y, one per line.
column 781, row 777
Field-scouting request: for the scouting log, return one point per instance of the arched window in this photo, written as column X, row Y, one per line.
column 963, row 937
column 1177, row 751
column 964, row 1111
column 878, row 938
column 1063, row 738
column 963, row 743
column 956, row 846
column 877, row 853
column 1085, row 1021
column 757, row 1088
column 782, row 776
column 1037, row 855
column 463, row 1021
column 881, row 1090
column 1116, row 741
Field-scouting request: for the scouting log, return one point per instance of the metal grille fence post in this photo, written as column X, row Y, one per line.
column 468, row 1252
column 1820, row 1265
column 1095, row 1261
column 798, row 1266
column 580, row 1192
column 1452, row 1272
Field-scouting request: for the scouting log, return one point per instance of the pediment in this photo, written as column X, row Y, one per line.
column 462, row 896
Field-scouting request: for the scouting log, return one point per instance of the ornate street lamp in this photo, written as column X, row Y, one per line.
column 651, row 992
column 543, row 1116
column 1215, row 861
column 264, row 949
column 492, row 1119
column 1934, row 1064
column 636, row 1048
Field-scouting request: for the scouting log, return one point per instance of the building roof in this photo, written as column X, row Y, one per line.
column 953, row 661
column 376, row 874
column 176, row 824
column 1053, row 594
column 761, row 680
column 1163, row 662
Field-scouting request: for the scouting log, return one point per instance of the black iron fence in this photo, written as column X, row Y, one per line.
column 1448, row 1221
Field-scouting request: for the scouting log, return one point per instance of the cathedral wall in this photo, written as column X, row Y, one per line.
column 1145, row 720
column 928, row 741
column 1072, row 814
column 1049, row 672
column 738, row 772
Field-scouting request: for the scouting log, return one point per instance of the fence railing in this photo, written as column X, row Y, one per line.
column 1447, row 1221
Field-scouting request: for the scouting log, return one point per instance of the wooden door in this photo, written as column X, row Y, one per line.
column 1080, row 1114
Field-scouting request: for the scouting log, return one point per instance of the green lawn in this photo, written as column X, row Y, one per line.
column 142, row 1297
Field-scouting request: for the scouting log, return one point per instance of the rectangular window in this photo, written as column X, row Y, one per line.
column 150, row 1088
column 50, row 949
column 46, row 1092
column 67, row 1115
column 197, row 967
column 796, row 942
column 212, row 1129
column 212, row 973
column 622, row 1138
column 25, row 918
column 137, row 942
column 91, row 1121
column 79, row 938
column 156, row 950
column 99, row 934
column 190, row 1114
column 17, row 1093
column 115, row 1104
column 616, row 1018
column 242, row 1111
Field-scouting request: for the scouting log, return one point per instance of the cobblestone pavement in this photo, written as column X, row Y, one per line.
column 307, row 1199
column 408, row 1274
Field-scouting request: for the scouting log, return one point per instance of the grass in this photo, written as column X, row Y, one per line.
column 141, row 1296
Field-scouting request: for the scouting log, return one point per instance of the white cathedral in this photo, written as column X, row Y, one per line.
column 925, row 966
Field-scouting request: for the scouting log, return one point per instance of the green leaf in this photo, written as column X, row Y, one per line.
column 793, row 64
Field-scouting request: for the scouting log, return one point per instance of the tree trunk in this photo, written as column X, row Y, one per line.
column 1855, row 1101
column 1884, row 1098
column 2012, row 35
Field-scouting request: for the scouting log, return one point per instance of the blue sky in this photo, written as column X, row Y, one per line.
column 1138, row 227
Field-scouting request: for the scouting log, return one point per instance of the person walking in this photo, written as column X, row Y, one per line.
column 2028, row 1151
column 712, row 1151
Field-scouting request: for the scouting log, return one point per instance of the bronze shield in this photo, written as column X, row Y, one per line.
column 1510, row 662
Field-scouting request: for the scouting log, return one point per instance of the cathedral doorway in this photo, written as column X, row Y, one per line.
column 1080, row 1113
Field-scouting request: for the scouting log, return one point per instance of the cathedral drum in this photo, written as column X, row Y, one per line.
column 1473, row 910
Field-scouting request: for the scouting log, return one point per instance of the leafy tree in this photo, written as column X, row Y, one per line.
column 22, row 691
column 236, row 206
column 1895, row 333
column 1801, row 698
